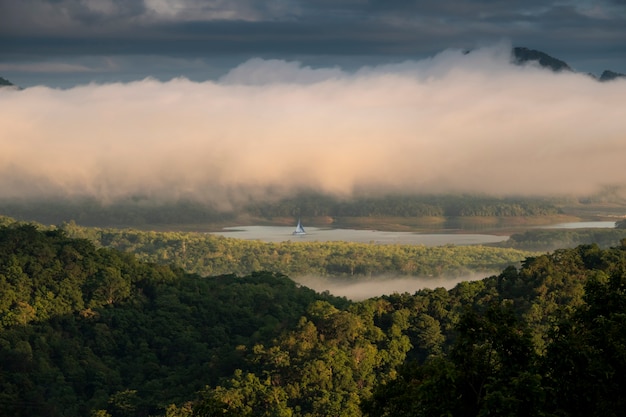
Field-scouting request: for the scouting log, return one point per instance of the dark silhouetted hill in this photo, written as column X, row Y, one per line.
column 524, row 55
column 6, row 83
column 611, row 75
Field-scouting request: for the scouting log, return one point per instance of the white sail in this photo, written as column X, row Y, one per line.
column 299, row 229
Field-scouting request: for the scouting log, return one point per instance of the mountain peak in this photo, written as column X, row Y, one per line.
column 5, row 83
column 523, row 55
column 611, row 75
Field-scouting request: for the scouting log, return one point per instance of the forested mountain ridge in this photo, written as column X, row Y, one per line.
column 545, row 240
column 139, row 211
column 88, row 330
column 84, row 328
column 315, row 204
column 552, row 344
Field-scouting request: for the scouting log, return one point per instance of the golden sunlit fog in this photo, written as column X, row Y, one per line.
column 453, row 123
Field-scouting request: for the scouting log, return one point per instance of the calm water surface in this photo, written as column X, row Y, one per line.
column 283, row 234
column 581, row 225
column 314, row 234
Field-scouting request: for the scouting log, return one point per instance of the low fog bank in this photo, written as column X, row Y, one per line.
column 453, row 123
column 362, row 288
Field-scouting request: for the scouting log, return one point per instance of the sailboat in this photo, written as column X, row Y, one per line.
column 299, row 229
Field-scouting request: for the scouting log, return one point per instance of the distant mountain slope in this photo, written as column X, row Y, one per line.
column 5, row 83
column 525, row 55
column 611, row 75
column 522, row 56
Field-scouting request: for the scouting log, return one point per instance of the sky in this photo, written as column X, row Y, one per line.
column 220, row 101
column 66, row 42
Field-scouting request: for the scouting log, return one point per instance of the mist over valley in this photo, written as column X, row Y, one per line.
column 453, row 123
column 312, row 208
column 362, row 289
column 491, row 141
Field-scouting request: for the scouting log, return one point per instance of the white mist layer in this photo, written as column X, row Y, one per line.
column 454, row 123
column 362, row 288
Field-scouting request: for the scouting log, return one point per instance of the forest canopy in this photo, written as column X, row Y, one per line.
column 208, row 254
column 95, row 331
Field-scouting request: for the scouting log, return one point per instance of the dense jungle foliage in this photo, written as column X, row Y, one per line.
column 94, row 331
column 84, row 328
column 543, row 240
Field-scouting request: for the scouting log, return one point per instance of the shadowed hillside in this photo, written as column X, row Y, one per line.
column 86, row 331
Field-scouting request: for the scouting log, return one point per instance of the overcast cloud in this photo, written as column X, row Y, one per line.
column 452, row 123
column 121, row 40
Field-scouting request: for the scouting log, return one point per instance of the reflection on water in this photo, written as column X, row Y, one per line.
column 283, row 234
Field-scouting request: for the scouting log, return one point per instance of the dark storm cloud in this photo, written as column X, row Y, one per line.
column 41, row 34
